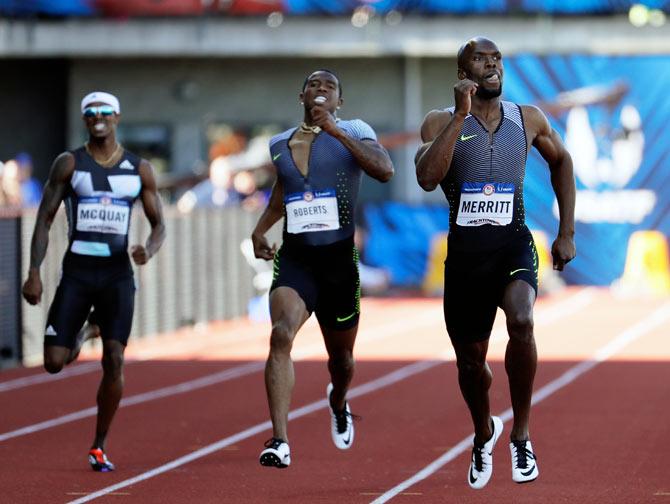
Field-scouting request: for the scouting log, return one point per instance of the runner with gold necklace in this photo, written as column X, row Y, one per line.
column 319, row 168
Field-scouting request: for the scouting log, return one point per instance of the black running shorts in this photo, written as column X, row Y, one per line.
column 104, row 283
column 325, row 277
column 474, row 284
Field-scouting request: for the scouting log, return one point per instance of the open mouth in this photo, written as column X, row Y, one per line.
column 99, row 126
column 320, row 100
column 492, row 78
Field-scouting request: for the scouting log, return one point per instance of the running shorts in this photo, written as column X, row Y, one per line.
column 103, row 283
column 474, row 284
column 325, row 277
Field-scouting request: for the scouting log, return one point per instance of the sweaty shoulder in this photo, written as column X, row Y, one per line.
column 145, row 168
column 433, row 123
column 63, row 166
column 535, row 122
column 358, row 129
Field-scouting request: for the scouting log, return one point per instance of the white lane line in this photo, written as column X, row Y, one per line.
column 370, row 334
column 556, row 312
column 89, row 367
column 366, row 388
column 27, row 381
column 575, row 299
column 652, row 321
column 180, row 388
column 384, row 381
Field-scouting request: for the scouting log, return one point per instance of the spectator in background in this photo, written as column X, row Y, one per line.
column 31, row 189
column 234, row 179
column 3, row 199
column 11, row 186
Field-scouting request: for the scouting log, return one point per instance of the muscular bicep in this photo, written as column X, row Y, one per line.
column 432, row 125
column 545, row 139
column 56, row 186
column 151, row 201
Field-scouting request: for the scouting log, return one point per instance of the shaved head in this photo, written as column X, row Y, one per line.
column 467, row 48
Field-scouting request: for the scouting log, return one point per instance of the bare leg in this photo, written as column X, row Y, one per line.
column 110, row 390
column 474, row 379
column 89, row 331
column 55, row 358
column 340, row 347
column 521, row 354
column 288, row 313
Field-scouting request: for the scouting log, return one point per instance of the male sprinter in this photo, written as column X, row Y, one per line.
column 99, row 183
column 476, row 151
column 319, row 166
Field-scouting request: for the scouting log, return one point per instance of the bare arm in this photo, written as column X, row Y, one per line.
column 54, row 193
column 270, row 216
column 551, row 148
column 153, row 210
column 370, row 155
column 439, row 132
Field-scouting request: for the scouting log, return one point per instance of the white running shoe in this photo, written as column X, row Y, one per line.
column 481, row 465
column 341, row 425
column 524, row 462
column 276, row 454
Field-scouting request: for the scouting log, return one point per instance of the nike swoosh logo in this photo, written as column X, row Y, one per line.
column 517, row 270
column 529, row 471
column 348, row 440
column 343, row 319
column 465, row 138
column 276, row 156
column 473, row 480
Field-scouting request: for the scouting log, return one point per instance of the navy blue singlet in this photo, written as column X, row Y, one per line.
column 99, row 202
column 319, row 208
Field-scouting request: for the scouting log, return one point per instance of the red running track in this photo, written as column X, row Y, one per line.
column 195, row 415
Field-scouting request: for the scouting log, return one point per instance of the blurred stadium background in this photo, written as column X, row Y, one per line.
column 203, row 83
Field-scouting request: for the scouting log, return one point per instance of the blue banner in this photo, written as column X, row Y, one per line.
column 611, row 112
column 567, row 7
column 319, row 7
column 46, row 7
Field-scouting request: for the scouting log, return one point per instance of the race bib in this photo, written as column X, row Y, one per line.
column 486, row 203
column 103, row 215
column 309, row 211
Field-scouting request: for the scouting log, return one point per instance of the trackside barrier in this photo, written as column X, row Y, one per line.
column 10, row 288
column 199, row 275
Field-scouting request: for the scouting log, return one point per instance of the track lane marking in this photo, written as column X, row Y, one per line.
column 563, row 308
column 374, row 333
column 148, row 354
column 583, row 297
column 360, row 390
column 642, row 327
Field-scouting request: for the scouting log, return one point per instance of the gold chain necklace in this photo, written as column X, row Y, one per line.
column 310, row 129
column 106, row 161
